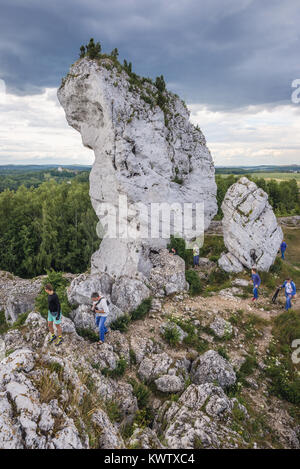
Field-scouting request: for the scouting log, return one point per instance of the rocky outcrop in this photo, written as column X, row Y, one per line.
column 169, row 375
column 251, row 232
column 17, row 295
column 200, row 419
column 146, row 154
column 49, row 399
column 221, row 328
column 210, row 368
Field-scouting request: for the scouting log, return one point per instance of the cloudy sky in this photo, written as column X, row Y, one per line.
column 233, row 61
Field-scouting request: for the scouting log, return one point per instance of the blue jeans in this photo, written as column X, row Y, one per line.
column 282, row 253
column 195, row 260
column 100, row 322
column 255, row 293
column 288, row 303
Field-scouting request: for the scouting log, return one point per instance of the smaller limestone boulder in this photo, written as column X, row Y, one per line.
column 240, row 282
column 109, row 437
column 210, row 368
column 251, row 232
column 168, row 273
column 157, row 365
column 127, row 294
column 170, row 383
column 220, row 327
column 144, row 438
column 230, row 263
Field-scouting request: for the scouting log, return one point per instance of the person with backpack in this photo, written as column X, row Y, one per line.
column 256, row 283
column 290, row 292
column 54, row 315
column 196, row 253
column 100, row 308
column 283, row 247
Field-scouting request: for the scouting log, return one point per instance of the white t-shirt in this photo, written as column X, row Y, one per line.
column 288, row 288
column 102, row 304
column 196, row 251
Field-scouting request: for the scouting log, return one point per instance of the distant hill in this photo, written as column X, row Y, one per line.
column 257, row 169
column 32, row 167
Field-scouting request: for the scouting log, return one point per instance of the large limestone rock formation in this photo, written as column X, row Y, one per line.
column 251, row 232
column 148, row 153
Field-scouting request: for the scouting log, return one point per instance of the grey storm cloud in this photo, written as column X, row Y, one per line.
column 226, row 53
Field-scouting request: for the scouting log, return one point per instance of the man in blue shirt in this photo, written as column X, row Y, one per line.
column 290, row 292
column 256, row 283
column 283, row 247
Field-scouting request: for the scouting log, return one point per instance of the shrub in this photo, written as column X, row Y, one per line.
column 179, row 245
column 218, row 277
column 141, row 392
column 213, row 246
column 59, row 284
column 20, row 321
column 171, row 335
column 132, row 356
column 194, row 281
column 280, row 368
column 276, row 268
column 3, row 324
column 248, row 366
column 143, row 309
column 121, row 324
column 88, row 334
column 113, row 411
column 222, row 351
column 144, row 418
column 118, row 371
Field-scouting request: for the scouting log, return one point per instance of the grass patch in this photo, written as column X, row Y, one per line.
column 194, row 282
column 171, row 335
column 142, row 310
column 88, row 334
column 118, row 371
column 284, row 373
column 141, row 392
column 122, row 323
column 4, row 326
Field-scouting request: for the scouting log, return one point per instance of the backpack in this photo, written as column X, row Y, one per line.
column 103, row 298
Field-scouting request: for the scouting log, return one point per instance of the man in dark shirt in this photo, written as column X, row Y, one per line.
column 54, row 314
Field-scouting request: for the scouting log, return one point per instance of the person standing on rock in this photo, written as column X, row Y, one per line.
column 283, row 247
column 256, row 283
column 54, row 315
column 290, row 292
column 196, row 253
column 100, row 307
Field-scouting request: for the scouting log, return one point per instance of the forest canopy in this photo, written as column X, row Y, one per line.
column 47, row 221
column 51, row 226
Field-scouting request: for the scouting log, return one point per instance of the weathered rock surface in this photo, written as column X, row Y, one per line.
column 154, row 366
column 220, row 327
column 249, row 228
column 42, row 390
column 144, row 438
column 200, row 419
column 211, row 367
column 140, row 155
column 17, row 295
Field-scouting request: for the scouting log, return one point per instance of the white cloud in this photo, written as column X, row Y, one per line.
column 34, row 130
column 253, row 135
